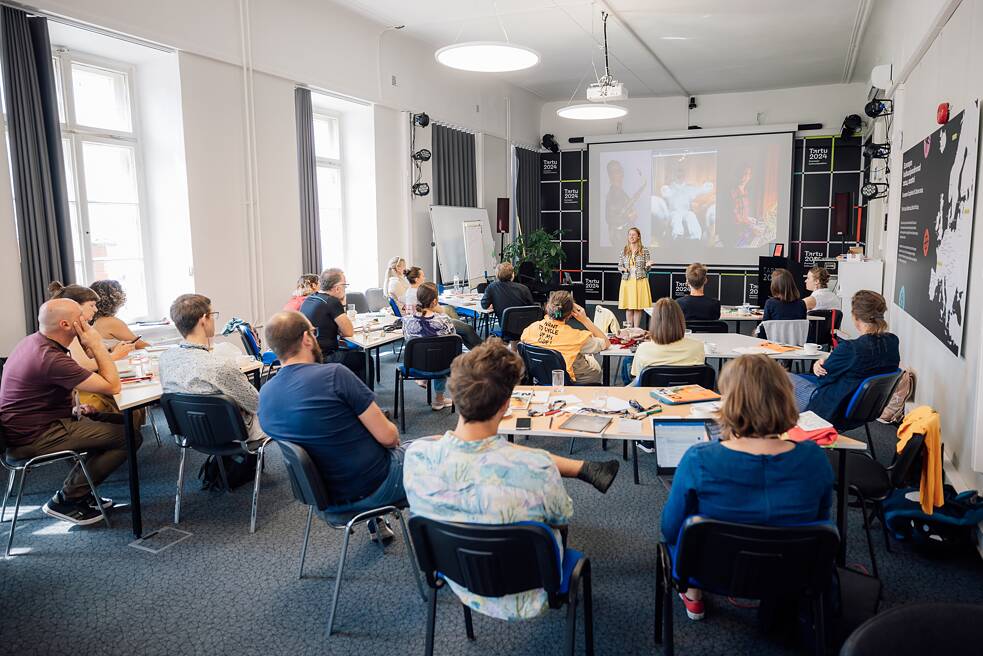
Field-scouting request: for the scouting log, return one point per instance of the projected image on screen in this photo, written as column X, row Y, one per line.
column 719, row 200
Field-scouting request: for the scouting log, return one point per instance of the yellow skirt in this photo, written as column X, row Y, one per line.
column 635, row 294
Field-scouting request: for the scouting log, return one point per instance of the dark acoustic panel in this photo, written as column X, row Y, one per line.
column 570, row 222
column 551, row 221
column 570, row 165
column 815, row 191
column 731, row 288
column 549, row 197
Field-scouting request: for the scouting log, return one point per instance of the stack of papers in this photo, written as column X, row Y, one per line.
column 810, row 421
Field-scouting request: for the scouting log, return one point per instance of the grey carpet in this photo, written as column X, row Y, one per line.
column 224, row 591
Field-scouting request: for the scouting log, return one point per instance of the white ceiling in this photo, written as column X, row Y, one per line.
column 709, row 46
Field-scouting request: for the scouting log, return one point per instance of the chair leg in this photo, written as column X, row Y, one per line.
column 659, row 598
column 624, row 450
column 588, row 610
column 887, row 533
column 431, row 621
column 669, row 647
column 259, row 469
column 153, row 424
column 396, row 394
column 604, row 444
column 221, row 471
column 95, row 492
column 402, row 404
column 429, row 393
column 870, row 442
column 572, row 440
column 870, row 540
column 6, row 495
column 307, row 537
column 468, row 623
column 180, row 486
column 13, row 520
column 571, row 642
column 411, row 555
column 341, row 570
column 819, row 625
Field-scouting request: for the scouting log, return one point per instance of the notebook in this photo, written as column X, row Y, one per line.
column 684, row 394
column 586, row 423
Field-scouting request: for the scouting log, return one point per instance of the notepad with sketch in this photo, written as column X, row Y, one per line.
column 673, row 438
column 684, row 394
column 586, row 423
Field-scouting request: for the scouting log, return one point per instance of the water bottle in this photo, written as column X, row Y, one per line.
column 457, row 282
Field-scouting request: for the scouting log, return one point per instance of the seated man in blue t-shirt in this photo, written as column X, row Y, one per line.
column 328, row 411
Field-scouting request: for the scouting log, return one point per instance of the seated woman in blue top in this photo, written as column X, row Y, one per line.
column 784, row 302
column 752, row 476
column 427, row 321
column 827, row 391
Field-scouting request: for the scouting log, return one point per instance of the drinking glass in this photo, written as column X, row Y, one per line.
column 558, row 380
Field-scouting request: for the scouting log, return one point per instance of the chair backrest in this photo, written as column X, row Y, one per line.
column 908, row 465
column 823, row 332
column 394, row 306
column 918, row 629
column 527, row 271
column 358, row 300
column 428, row 355
column 708, row 326
column 204, row 419
column 488, row 560
column 541, row 362
column 305, row 480
column 755, row 562
column 873, row 393
column 518, row 318
column 3, row 361
column 375, row 298
column 787, row 331
column 249, row 340
column 698, row 374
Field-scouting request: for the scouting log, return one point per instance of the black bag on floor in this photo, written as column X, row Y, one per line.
column 239, row 470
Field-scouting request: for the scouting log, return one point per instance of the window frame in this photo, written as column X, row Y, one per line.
column 338, row 165
column 77, row 134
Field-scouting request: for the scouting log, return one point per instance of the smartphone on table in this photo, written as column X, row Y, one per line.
column 523, row 423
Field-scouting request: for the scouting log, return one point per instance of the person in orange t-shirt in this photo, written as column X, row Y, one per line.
column 575, row 345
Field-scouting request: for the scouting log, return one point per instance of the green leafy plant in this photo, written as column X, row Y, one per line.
column 539, row 247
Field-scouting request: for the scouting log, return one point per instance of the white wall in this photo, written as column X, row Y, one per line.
column 818, row 104
column 494, row 179
column 949, row 72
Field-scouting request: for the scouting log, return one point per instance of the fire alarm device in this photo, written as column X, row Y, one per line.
column 942, row 115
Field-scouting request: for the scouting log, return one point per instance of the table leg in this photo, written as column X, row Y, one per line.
column 606, row 369
column 634, row 460
column 841, row 499
column 131, row 457
column 378, row 367
column 255, row 375
column 368, row 369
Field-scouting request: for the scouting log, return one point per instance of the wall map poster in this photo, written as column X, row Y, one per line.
column 936, row 228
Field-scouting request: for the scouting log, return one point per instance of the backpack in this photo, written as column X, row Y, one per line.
column 948, row 529
column 904, row 391
column 239, row 470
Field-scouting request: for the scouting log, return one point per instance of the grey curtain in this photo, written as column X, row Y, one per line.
column 310, row 222
column 527, row 190
column 454, row 170
column 43, row 221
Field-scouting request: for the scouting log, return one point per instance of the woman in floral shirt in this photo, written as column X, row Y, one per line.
column 426, row 321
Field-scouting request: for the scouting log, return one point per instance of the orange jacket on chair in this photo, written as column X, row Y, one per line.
column 923, row 420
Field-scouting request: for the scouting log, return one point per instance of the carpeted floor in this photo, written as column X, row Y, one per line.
column 224, row 591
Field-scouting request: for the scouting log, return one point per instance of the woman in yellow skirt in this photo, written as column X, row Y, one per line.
column 635, row 294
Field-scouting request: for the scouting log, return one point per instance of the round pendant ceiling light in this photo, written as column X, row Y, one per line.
column 591, row 112
column 487, row 56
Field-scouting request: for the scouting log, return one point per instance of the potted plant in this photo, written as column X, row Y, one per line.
column 540, row 248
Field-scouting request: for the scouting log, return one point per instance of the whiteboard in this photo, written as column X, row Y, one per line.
column 467, row 255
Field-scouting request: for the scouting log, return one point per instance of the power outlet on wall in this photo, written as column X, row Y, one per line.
column 394, row 80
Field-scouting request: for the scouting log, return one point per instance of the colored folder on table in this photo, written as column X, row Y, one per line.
column 779, row 348
column 684, row 394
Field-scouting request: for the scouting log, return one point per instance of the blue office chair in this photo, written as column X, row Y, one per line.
column 424, row 358
column 394, row 306
column 746, row 561
column 540, row 363
column 499, row 560
column 515, row 320
column 309, row 489
column 868, row 402
column 250, row 342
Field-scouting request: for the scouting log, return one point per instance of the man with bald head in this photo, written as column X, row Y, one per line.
column 37, row 408
column 332, row 414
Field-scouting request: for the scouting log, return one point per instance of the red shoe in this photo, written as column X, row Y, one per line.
column 694, row 609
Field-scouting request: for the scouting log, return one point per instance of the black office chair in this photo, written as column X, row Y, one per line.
column 749, row 562
column 211, row 424
column 918, row 629
column 309, row 489
column 494, row 561
column 671, row 376
column 868, row 402
column 516, row 319
column 22, row 466
column 872, row 483
column 424, row 358
column 358, row 300
column 824, row 332
column 708, row 326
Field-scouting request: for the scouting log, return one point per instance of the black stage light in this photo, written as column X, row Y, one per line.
column 877, row 150
column 874, row 190
column 422, row 155
column 851, row 124
column 421, row 189
column 421, row 119
column 879, row 107
column 549, row 143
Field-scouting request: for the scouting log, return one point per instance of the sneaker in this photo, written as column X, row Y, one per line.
column 646, row 446
column 694, row 608
column 76, row 512
column 440, row 405
column 103, row 501
column 380, row 532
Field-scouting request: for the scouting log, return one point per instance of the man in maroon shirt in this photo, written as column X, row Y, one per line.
column 37, row 407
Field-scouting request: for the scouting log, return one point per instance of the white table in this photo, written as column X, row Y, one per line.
column 140, row 395
column 156, row 333
column 470, row 302
column 370, row 336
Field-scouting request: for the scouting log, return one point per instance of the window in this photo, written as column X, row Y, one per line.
column 100, row 143
column 330, row 203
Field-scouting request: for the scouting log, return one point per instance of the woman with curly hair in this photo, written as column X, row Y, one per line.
column 112, row 328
